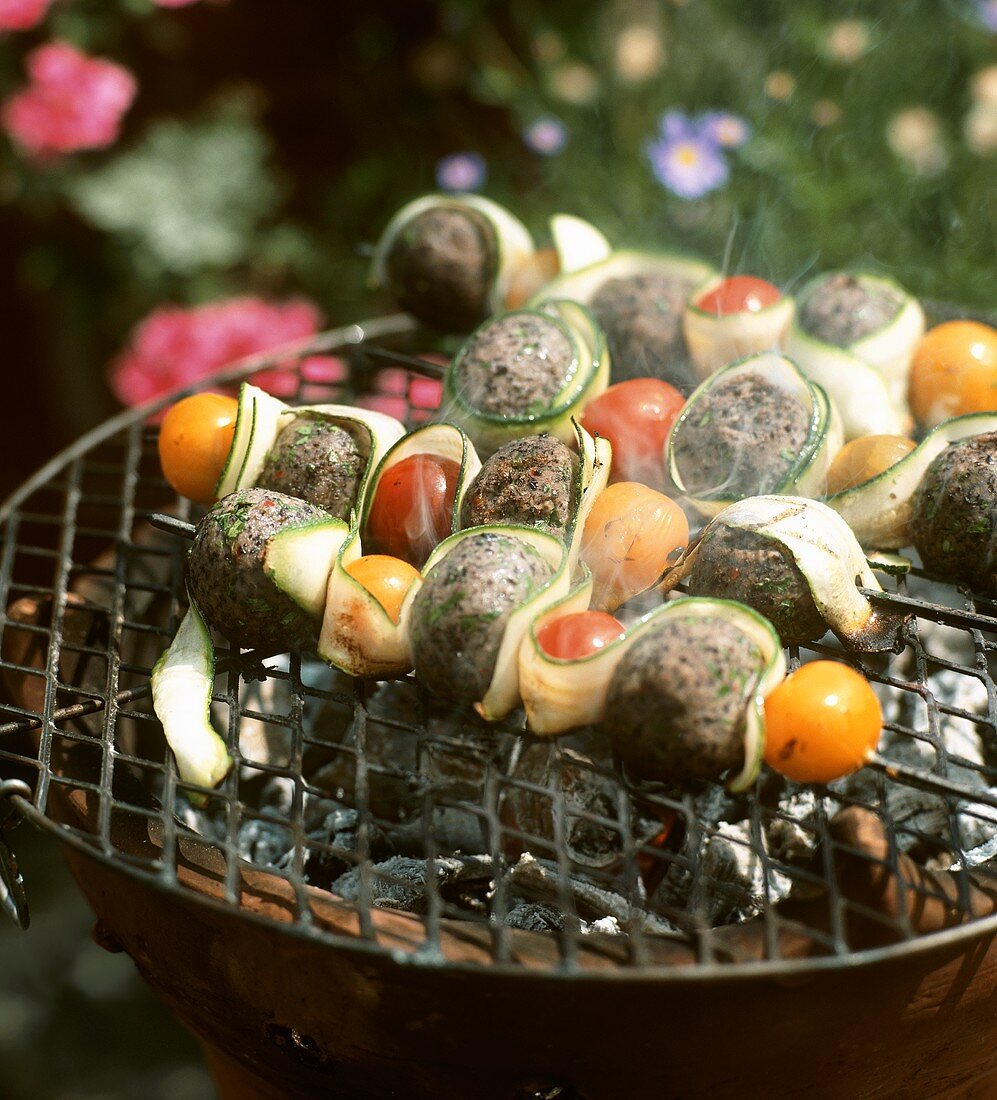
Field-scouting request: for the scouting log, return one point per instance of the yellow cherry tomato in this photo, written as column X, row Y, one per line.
column 627, row 540
column 821, row 722
column 865, row 458
column 954, row 371
column 387, row 579
column 194, row 442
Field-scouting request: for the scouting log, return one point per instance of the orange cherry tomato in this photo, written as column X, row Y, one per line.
column 412, row 509
column 569, row 637
column 821, row 722
column 627, row 540
column 739, row 294
column 865, row 458
column 636, row 417
column 530, row 276
column 194, row 441
column 387, row 579
column 954, row 371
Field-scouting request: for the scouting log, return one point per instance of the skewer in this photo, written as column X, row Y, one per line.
column 931, row 782
column 413, row 362
column 172, row 525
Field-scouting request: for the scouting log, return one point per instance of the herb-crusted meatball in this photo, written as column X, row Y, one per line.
column 740, row 438
column 642, row 318
column 843, row 308
column 443, row 265
column 226, row 573
column 530, row 481
column 317, row 461
column 741, row 565
column 460, row 613
column 676, row 703
column 954, row 526
column 516, row 365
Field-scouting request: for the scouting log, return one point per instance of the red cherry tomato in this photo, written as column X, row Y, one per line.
column 579, row 634
column 636, row 417
column 412, row 508
column 194, row 441
column 739, row 294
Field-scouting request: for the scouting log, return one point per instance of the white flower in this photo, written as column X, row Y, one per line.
column 915, row 136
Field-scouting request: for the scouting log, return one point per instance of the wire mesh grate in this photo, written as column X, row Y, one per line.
column 369, row 814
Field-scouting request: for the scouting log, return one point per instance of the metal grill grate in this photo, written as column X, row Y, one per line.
column 443, row 836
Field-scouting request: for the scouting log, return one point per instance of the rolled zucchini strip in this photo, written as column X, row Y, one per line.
column 714, row 340
column 868, row 379
column 879, row 510
column 586, row 376
column 562, row 694
column 514, row 242
column 827, row 556
column 577, row 243
column 502, row 695
column 261, row 418
column 358, row 635
column 806, row 475
column 445, row 441
column 182, row 683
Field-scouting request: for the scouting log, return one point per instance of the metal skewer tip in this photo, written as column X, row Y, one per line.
column 172, row 525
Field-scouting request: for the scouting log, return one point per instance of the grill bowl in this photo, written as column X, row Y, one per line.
column 876, row 974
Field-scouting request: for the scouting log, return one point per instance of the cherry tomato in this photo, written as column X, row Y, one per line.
column 865, row 458
column 821, row 723
column 530, row 276
column 954, row 371
column 636, row 417
column 194, row 441
column 739, row 294
column 386, row 579
column 579, row 634
column 413, row 507
column 627, row 540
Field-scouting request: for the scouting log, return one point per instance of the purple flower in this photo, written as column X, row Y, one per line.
column 547, row 136
column 675, row 125
column 461, row 172
column 724, row 129
column 688, row 166
column 986, row 10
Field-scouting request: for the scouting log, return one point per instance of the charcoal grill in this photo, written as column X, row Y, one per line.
column 862, row 967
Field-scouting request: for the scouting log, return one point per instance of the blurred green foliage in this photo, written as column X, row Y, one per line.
column 267, row 148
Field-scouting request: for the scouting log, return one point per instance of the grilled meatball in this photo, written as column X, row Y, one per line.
column 642, row 318
column 841, row 309
column 529, row 481
column 516, row 365
column 954, row 526
column 317, row 461
column 460, row 613
column 676, row 703
column 226, row 572
column 740, row 439
column 442, row 267
column 754, row 570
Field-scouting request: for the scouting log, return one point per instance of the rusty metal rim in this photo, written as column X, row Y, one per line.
column 760, row 970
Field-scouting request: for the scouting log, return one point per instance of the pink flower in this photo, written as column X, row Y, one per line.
column 73, row 102
column 20, row 15
column 174, row 347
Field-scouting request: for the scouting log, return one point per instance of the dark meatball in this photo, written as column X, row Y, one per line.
column 676, row 703
column 740, row 439
column 442, row 267
column 841, row 309
column 317, row 461
column 642, row 318
column 226, row 574
column 757, row 571
column 515, row 366
column 529, row 481
column 954, row 526
column 460, row 613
